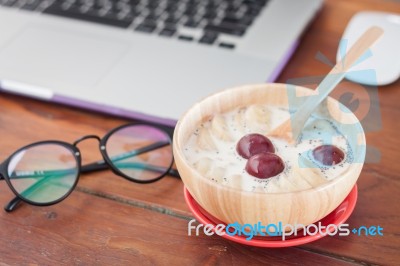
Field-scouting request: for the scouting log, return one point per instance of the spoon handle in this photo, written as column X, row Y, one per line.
column 333, row 78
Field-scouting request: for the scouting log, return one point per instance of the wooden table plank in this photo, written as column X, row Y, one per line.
column 372, row 209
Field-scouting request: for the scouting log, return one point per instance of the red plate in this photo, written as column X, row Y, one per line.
column 336, row 217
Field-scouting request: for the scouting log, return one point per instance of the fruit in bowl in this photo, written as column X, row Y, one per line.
column 238, row 173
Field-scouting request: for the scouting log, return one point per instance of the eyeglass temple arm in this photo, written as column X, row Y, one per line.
column 101, row 165
column 12, row 204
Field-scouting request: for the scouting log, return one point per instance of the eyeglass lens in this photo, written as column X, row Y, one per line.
column 140, row 152
column 43, row 173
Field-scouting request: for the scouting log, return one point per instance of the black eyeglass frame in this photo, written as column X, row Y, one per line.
column 81, row 169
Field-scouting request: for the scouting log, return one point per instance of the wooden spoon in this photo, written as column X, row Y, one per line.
column 290, row 132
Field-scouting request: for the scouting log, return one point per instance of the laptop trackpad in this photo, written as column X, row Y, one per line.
column 43, row 56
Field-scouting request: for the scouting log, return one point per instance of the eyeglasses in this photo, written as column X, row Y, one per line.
column 46, row 172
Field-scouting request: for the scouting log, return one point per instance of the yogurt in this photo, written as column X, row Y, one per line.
column 211, row 150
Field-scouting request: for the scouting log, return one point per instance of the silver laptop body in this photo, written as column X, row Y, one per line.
column 138, row 72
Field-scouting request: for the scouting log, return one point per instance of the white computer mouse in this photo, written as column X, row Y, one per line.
column 384, row 59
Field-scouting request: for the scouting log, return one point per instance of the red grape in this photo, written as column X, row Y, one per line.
column 328, row 154
column 252, row 144
column 264, row 165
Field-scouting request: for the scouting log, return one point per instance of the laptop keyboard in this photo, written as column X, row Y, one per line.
column 166, row 18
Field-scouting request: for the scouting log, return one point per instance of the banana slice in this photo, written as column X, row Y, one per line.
column 220, row 129
column 309, row 172
column 203, row 165
column 216, row 174
column 205, row 140
column 258, row 118
column 298, row 182
column 238, row 120
column 312, row 176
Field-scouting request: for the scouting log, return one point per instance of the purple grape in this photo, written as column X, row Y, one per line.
column 253, row 144
column 328, row 154
column 265, row 165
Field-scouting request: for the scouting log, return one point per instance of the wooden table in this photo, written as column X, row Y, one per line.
column 109, row 220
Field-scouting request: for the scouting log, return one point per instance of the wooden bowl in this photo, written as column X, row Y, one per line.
column 233, row 205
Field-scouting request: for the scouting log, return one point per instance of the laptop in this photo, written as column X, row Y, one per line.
column 144, row 59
